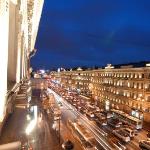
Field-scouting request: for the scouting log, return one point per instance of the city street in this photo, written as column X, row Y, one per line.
column 75, row 75
column 98, row 132
column 44, row 135
column 68, row 112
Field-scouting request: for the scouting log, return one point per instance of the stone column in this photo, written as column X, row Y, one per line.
column 4, row 26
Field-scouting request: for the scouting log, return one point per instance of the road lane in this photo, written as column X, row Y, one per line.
column 133, row 144
column 94, row 129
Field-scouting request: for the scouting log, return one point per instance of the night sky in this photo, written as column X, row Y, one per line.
column 92, row 32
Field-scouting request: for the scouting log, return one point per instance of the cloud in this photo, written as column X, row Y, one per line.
column 85, row 31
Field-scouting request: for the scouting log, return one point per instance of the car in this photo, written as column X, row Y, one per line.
column 122, row 135
column 130, row 132
column 144, row 144
column 60, row 104
column 90, row 114
column 83, row 110
column 100, row 116
column 88, row 146
column 114, row 123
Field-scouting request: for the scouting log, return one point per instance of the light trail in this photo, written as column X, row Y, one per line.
column 99, row 138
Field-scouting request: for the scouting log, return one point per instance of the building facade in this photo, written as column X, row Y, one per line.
column 124, row 88
column 19, row 21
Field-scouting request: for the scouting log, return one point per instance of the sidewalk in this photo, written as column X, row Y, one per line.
column 13, row 129
column 16, row 124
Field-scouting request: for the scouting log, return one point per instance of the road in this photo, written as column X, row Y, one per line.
column 69, row 112
column 44, row 137
column 97, row 131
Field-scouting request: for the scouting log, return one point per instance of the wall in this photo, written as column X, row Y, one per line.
column 4, row 21
column 12, row 50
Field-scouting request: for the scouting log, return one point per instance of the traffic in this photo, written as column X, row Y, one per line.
column 124, row 128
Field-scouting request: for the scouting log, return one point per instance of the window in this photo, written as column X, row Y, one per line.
column 128, row 84
column 135, row 96
column 140, row 75
column 135, row 86
column 148, row 98
column 124, row 75
column 128, row 94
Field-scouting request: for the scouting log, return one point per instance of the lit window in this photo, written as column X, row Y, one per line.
column 146, row 86
column 128, row 84
column 139, row 86
column 140, row 95
column 134, row 96
column 120, row 83
column 140, row 75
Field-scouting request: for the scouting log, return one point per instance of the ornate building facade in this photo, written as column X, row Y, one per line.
column 125, row 88
column 19, row 21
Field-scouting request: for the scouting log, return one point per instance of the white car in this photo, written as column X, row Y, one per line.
column 144, row 144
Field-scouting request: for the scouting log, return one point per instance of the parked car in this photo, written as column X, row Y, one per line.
column 144, row 144
column 122, row 135
column 130, row 132
column 114, row 123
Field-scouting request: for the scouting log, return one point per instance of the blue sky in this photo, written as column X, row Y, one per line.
column 92, row 32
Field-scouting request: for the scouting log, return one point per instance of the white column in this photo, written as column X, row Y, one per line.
column 18, row 71
column 4, row 26
column 12, row 52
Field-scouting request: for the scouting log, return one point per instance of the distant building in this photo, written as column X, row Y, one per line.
column 124, row 88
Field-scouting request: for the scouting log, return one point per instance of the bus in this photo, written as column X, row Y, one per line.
column 126, row 118
column 83, row 135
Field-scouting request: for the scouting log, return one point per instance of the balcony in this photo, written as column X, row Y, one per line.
column 147, row 90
